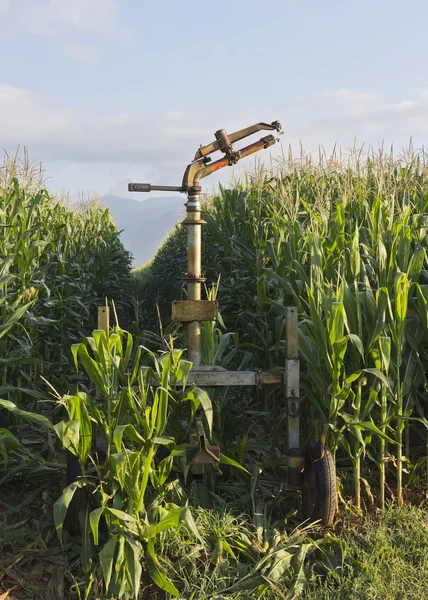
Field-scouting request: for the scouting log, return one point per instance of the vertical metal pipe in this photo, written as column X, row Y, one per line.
column 292, row 376
column 194, row 245
column 296, row 460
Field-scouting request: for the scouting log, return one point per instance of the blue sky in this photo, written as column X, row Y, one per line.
column 110, row 91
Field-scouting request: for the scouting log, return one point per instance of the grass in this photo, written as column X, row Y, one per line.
column 229, row 561
column 377, row 558
column 370, row 558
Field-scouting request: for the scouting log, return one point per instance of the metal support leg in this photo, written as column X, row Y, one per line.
column 291, row 380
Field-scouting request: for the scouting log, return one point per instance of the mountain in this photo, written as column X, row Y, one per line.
column 146, row 223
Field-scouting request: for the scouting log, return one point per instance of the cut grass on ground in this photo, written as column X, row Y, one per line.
column 377, row 559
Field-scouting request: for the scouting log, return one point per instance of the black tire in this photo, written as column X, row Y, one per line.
column 319, row 490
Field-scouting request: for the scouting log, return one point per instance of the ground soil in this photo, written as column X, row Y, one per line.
column 33, row 566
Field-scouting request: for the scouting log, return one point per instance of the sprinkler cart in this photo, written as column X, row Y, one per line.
column 310, row 470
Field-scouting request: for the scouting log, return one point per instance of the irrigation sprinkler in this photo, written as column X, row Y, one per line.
column 310, row 470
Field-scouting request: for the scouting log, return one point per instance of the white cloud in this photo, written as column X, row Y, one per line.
column 349, row 101
column 352, row 96
column 365, row 115
column 57, row 134
column 27, row 118
column 423, row 93
column 30, row 119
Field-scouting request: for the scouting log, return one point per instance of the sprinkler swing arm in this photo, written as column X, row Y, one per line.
column 198, row 168
column 194, row 310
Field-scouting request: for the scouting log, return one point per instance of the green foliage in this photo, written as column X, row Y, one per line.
column 134, row 496
column 56, row 265
column 23, row 458
column 150, row 289
column 377, row 559
column 129, row 441
column 347, row 244
column 228, row 561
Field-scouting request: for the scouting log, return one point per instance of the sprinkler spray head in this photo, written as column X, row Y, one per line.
column 201, row 166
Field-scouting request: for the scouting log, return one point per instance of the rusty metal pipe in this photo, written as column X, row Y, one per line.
column 194, row 245
column 148, row 187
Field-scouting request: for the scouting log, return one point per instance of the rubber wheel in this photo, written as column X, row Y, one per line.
column 319, row 489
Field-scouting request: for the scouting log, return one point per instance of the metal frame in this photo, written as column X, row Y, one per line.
column 194, row 310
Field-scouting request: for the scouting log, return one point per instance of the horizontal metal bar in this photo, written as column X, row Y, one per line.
column 148, row 187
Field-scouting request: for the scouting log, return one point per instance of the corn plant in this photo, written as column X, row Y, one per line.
column 137, row 498
column 346, row 241
column 56, row 265
column 134, row 493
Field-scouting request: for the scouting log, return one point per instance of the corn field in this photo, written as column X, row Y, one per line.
column 345, row 240
column 137, row 512
column 56, row 265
